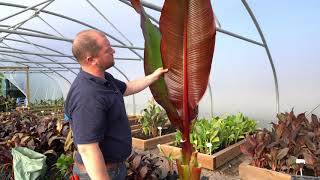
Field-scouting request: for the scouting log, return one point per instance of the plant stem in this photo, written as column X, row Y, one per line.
column 186, row 147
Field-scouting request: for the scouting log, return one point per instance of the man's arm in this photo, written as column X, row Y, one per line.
column 138, row 85
column 93, row 161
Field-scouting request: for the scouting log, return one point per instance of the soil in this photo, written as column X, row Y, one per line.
column 166, row 130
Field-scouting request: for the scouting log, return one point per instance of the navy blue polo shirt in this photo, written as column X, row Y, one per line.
column 97, row 113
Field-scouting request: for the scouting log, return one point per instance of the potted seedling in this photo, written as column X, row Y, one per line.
column 172, row 174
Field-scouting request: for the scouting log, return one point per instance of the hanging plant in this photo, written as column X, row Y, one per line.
column 185, row 46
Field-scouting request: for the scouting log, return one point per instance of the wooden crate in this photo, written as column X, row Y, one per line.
column 248, row 172
column 211, row 162
column 153, row 142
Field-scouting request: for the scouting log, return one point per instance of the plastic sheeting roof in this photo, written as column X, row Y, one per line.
column 38, row 34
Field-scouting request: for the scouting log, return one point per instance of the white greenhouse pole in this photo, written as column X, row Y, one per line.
column 268, row 53
column 27, row 86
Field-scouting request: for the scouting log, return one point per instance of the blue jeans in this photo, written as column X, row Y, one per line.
column 118, row 173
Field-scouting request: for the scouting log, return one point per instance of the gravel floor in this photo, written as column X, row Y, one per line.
column 229, row 171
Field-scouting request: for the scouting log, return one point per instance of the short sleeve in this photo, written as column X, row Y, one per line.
column 121, row 85
column 88, row 123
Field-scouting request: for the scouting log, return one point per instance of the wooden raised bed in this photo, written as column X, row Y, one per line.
column 135, row 128
column 152, row 142
column 248, row 172
column 211, row 162
column 133, row 120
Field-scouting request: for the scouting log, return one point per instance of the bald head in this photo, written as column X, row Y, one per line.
column 85, row 44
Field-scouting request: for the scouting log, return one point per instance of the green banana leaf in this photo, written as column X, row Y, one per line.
column 153, row 61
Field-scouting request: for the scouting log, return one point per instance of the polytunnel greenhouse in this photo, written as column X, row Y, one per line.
column 82, row 95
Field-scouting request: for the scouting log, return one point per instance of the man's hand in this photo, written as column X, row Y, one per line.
column 157, row 73
column 140, row 84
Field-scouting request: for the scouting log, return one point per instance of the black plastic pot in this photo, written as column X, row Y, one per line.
column 175, row 176
column 172, row 176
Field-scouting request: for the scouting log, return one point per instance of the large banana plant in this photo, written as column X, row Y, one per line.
column 184, row 45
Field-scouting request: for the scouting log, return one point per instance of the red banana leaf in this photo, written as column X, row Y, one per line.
column 153, row 61
column 187, row 44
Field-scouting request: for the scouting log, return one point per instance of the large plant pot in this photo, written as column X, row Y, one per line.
column 211, row 162
column 172, row 176
column 248, row 172
column 152, row 142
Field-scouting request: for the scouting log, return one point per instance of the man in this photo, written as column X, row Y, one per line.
column 96, row 109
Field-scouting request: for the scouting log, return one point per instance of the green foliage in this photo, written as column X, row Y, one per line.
column 218, row 132
column 152, row 117
column 48, row 103
column 235, row 127
column 7, row 103
column 204, row 135
column 63, row 165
